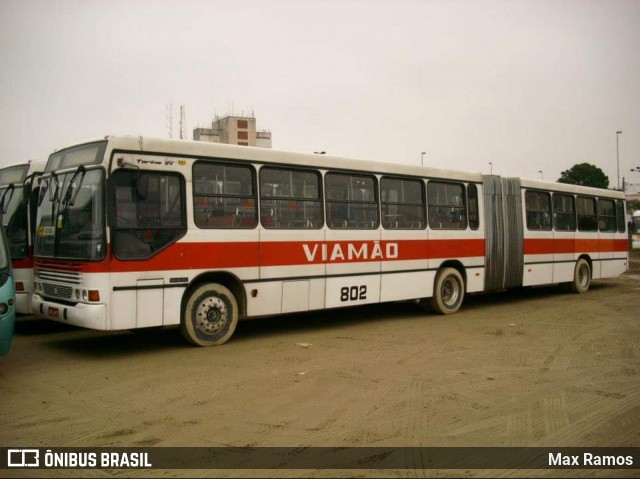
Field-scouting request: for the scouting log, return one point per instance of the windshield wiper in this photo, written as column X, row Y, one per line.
column 72, row 190
column 4, row 206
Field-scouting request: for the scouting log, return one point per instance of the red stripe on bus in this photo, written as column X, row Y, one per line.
column 559, row 246
column 184, row 256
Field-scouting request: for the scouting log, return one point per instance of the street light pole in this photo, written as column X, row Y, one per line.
column 491, row 168
column 618, row 133
column 541, row 174
column 422, row 157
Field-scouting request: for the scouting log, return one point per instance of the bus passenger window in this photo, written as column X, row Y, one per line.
column 351, row 201
column 620, row 216
column 290, row 199
column 564, row 210
column 224, row 196
column 447, row 210
column 586, row 210
column 474, row 214
column 538, row 208
column 606, row 215
column 403, row 203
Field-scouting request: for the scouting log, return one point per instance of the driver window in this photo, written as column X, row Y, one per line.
column 147, row 219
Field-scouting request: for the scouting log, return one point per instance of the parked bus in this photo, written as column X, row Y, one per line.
column 19, row 185
column 635, row 225
column 7, row 297
column 136, row 232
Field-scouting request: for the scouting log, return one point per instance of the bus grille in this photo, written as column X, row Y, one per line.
column 56, row 284
column 57, row 291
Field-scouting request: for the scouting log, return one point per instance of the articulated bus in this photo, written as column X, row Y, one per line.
column 19, row 186
column 136, row 232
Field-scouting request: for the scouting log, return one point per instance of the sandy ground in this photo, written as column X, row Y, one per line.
column 537, row 367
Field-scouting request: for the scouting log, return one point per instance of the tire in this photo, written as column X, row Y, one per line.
column 210, row 316
column 581, row 277
column 448, row 291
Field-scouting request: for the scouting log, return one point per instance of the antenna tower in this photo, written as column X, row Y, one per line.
column 169, row 119
column 183, row 123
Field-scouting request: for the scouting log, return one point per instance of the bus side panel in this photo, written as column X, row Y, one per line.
column 413, row 254
column 564, row 246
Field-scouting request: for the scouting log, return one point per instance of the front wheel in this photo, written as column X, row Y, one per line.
column 210, row 316
column 581, row 277
column 448, row 291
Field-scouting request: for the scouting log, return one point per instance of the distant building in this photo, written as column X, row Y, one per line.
column 234, row 130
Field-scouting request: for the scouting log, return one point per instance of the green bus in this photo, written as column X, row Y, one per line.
column 7, row 297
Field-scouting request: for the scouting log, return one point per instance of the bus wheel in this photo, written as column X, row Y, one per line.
column 448, row 291
column 581, row 277
column 211, row 315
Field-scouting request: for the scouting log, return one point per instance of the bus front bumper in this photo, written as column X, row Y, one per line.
column 92, row 316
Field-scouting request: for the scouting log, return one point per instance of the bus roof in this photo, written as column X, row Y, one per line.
column 202, row 149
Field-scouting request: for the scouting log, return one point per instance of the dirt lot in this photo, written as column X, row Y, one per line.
column 538, row 367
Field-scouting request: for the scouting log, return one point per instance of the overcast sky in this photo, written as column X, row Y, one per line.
column 527, row 85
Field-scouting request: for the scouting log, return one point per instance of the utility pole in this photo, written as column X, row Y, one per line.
column 618, row 133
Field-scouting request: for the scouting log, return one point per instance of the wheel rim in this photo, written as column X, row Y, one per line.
column 583, row 275
column 212, row 315
column 450, row 291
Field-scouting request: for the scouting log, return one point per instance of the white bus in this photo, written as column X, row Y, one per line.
column 137, row 232
column 19, row 186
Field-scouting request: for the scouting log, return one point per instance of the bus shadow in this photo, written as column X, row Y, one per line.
column 103, row 344
column 29, row 325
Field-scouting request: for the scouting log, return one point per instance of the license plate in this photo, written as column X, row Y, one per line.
column 54, row 312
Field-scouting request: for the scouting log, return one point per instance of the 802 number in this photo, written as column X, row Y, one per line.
column 353, row 293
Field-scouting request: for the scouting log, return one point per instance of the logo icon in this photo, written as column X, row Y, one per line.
column 23, row 458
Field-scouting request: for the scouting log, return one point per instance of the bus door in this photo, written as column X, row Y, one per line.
column 538, row 238
column 292, row 238
column 352, row 251
column 148, row 219
column 607, row 226
column 564, row 237
column 587, row 237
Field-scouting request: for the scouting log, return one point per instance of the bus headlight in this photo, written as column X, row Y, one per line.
column 3, row 308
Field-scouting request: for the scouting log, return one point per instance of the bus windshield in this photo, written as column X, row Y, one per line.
column 70, row 221
column 4, row 259
column 15, row 212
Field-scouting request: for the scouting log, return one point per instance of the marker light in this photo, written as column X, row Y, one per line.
column 19, row 286
column 94, row 295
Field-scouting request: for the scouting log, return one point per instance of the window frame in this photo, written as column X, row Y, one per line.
column 319, row 199
column 621, row 216
column 556, row 213
column 327, row 201
column 610, row 219
column 116, row 229
column 464, row 207
column 254, row 187
column 423, row 204
column 595, row 214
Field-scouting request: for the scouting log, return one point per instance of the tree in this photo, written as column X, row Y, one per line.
column 585, row 174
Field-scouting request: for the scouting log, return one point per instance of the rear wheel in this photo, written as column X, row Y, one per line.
column 581, row 277
column 448, row 291
column 210, row 316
